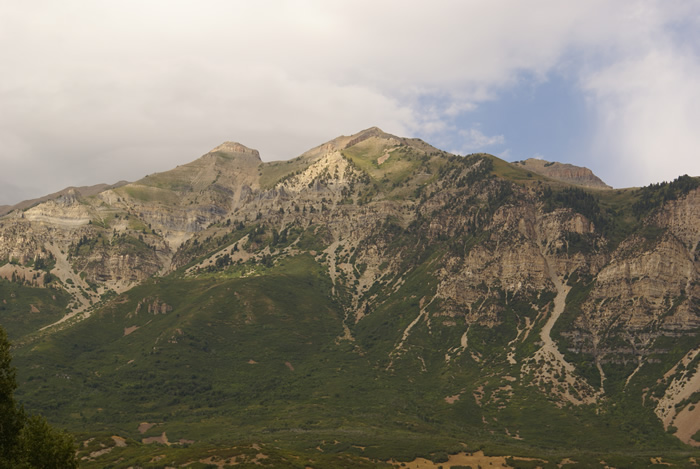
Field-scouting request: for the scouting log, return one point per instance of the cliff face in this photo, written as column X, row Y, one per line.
column 576, row 294
column 65, row 211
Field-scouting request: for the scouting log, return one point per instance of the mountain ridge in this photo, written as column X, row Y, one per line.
column 83, row 190
column 232, row 149
column 564, row 172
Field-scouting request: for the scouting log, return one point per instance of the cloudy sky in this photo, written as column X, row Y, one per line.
column 97, row 91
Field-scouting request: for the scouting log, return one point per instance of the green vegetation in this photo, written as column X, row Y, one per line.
column 129, row 245
column 512, row 172
column 46, row 264
column 314, row 238
column 145, row 193
column 654, row 195
column 25, row 309
column 617, row 214
column 278, row 171
column 394, row 170
column 27, row 442
column 260, row 355
column 579, row 201
column 194, row 455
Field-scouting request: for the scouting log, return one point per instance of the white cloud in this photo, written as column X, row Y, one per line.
column 474, row 139
column 456, row 108
column 649, row 113
column 505, row 154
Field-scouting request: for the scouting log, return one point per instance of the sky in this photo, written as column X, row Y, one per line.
column 95, row 91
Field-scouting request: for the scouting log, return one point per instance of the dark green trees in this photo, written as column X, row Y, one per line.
column 11, row 417
column 27, row 442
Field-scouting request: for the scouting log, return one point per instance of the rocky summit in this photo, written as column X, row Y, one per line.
column 369, row 302
column 568, row 173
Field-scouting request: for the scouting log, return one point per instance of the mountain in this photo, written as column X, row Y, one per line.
column 564, row 172
column 84, row 191
column 373, row 299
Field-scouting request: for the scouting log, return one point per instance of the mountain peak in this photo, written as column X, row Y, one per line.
column 369, row 133
column 235, row 149
column 565, row 172
column 373, row 132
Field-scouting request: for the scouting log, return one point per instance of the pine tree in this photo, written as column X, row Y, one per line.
column 11, row 418
column 27, row 442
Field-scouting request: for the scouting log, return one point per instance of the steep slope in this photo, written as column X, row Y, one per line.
column 372, row 291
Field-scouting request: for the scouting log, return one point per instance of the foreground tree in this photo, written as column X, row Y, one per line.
column 27, row 442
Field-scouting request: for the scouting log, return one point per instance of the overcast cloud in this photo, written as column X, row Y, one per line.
column 97, row 91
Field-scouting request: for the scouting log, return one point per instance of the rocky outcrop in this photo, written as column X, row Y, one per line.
column 682, row 219
column 65, row 211
column 152, row 306
column 237, row 151
column 84, row 191
column 20, row 242
column 564, row 172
